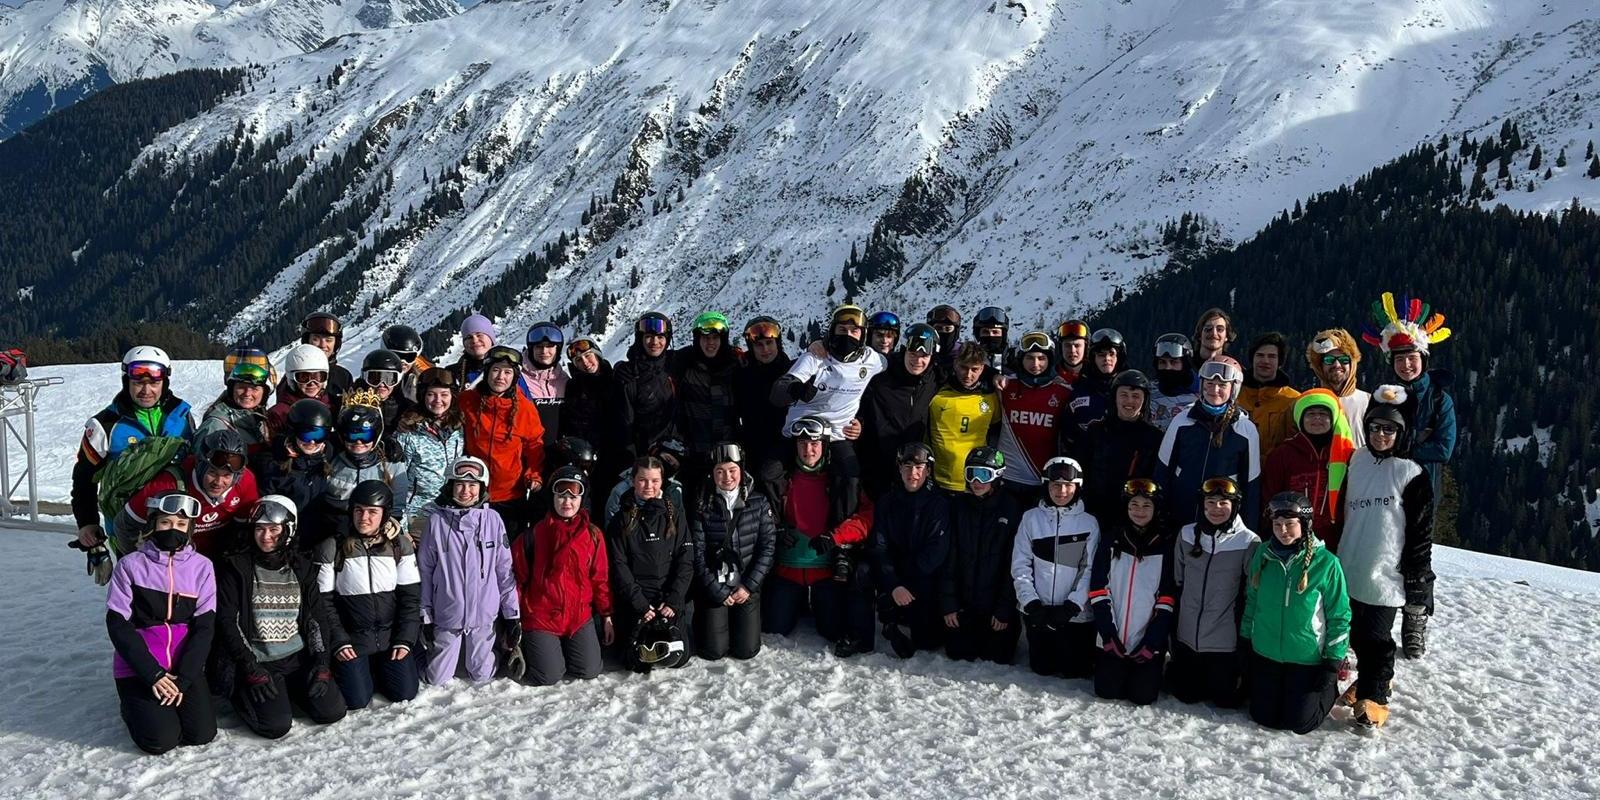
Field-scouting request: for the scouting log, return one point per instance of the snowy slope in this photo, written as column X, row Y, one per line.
column 54, row 52
column 1049, row 138
column 1503, row 706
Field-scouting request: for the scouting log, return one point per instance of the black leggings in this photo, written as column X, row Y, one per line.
column 1372, row 637
column 156, row 728
column 292, row 678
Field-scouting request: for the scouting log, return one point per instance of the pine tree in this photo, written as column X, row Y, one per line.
column 1536, row 159
column 1594, row 167
column 1561, row 158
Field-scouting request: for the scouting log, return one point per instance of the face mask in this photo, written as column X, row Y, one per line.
column 170, row 540
column 842, row 345
column 995, row 345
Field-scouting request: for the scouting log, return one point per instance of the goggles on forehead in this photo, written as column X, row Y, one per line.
column 884, row 319
column 1138, row 487
column 1169, row 350
column 381, row 377
column 1220, row 486
column 1072, row 329
column 1035, row 342
column 174, row 504
column 581, row 346
column 545, row 334
column 808, row 428
column 1219, row 371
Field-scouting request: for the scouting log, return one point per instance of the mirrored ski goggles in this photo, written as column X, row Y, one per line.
column 1330, row 359
column 174, row 504
column 327, row 326
column 310, row 377
column 1106, row 336
column 232, row 462
column 1035, row 342
column 567, row 488
column 1218, row 371
column 658, row 651
column 381, row 377
column 581, row 346
column 656, row 325
column 922, row 342
column 1220, row 486
column 706, row 323
column 727, row 452
column 146, row 372
column 807, row 428
column 359, row 435
column 1072, row 329
column 848, row 316
column 982, row 474
column 545, row 334
column 1140, row 487
column 1169, row 349
column 762, row 330
column 310, row 435
column 884, row 319
column 253, row 374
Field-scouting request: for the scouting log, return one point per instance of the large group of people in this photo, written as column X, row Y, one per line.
column 1205, row 529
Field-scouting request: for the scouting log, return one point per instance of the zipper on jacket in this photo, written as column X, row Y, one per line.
column 1128, row 609
column 1205, row 583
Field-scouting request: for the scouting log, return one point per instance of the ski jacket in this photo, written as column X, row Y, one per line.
column 236, row 610
column 1033, row 424
column 1198, row 446
column 760, row 420
column 1111, row 451
column 1298, row 465
column 910, row 540
column 347, row 470
column 960, row 419
column 1052, row 556
column 652, row 554
column 732, row 548
column 1211, row 584
column 1132, row 589
column 597, row 413
column 707, row 412
column 1386, row 548
column 976, row 579
column 223, row 415
column 301, row 478
column 161, row 613
column 278, row 414
column 563, row 575
column 839, row 385
column 893, row 412
column 506, row 433
column 670, row 489
column 108, row 433
column 1270, row 407
column 1430, row 414
column 430, row 449
column 1164, row 408
column 374, row 588
column 547, row 388
column 213, row 530
column 465, row 566
column 812, row 504
column 1091, row 399
column 1290, row 626
column 650, row 397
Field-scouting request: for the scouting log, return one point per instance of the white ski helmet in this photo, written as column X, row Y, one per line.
column 470, row 468
column 275, row 508
column 147, row 354
column 305, row 358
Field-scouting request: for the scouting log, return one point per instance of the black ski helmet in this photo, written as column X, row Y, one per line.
column 660, row 644
column 570, row 473
column 577, row 452
column 383, row 359
column 912, row 453
column 226, row 442
column 372, row 494
column 404, row 341
column 653, row 322
column 991, row 317
column 354, row 419
column 1291, row 504
column 323, row 323
column 309, row 413
column 985, row 456
column 922, row 338
column 1109, row 339
column 1174, row 345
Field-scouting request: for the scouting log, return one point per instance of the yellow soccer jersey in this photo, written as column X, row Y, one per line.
column 957, row 422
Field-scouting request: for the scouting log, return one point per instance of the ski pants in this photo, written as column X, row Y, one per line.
column 1068, row 650
column 1372, row 637
column 975, row 638
column 921, row 616
column 1121, row 678
column 291, row 676
column 1291, row 697
column 550, row 658
column 156, row 728
column 363, row 676
column 1204, row 677
column 841, row 608
column 721, row 631
column 448, row 648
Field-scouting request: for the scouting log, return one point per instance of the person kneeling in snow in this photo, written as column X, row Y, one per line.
column 161, row 612
column 274, row 625
column 1131, row 593
column 652, row 563
column 370, row 575
column 1209, row 568
column 469, row 599
column 909, row 549
column 1297, row 619
column 562, row 574
column 1050, row 562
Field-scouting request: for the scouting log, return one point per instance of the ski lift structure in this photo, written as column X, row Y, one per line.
column 18, row 403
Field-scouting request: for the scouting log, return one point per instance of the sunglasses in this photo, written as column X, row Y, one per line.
column 180, row 505
column 310, row 377
column 381, row 377
column 763, row 330
column 1035, row 342
column 1219, row 486
column 656, row 325
column 982, row 474
column 1072, row 330
column 146, row 372
column 1328, row 361
column 310, row 435
column 567, row 488
column 232, row 462
column 545, row 334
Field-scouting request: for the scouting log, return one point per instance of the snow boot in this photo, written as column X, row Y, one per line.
column 1348, row 699
column 1371, row 714
column 899, row 638
column 849, row 646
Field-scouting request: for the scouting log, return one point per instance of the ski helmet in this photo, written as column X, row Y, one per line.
column 146, row 363
column 922, row 338
column 847, row 314
column 727, row 453
column 360, row 423
column 1385, row 407
column 1036, row 342
column 501, row 353
column 810, row 427
column 991, row 317
column 305, row 358
column 308, row 415
column 984, row 465
column 1174, row 345
column 883, row 321
column 1222, row 486
column 577, row 452
column 711, row 322
column 1109, row 339
column 1141, row 487
column 404, row 341
column 659, row 644
column 321, row 322
column 1062, row 468
column 1291, row 504
column 913, row 453
column 944, row 313
column 473, row 470
column 762, row 327
column 224, row 448
column 437, row 378
column 372, row 494
column 382, row 368
column 1133, row 379
column 571, row 476
column 276, row 509
column 249, row 365
column 1224, row 368
column 652, row 322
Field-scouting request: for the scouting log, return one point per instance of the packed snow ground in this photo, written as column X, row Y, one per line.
column 1502, row 706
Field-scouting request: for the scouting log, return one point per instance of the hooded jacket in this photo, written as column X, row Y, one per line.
column 1132, row 588
column 465, row 566
column 236, row 597
column 1198, row 446
column 1291, row 626
column 910, row 540
column 893, row 412
column 652, row 555
column 651, row 398
column 546, row 387
column 732, row 547
column 111, row 431
column 1211, row 583
column 1052, row 555
column 1270, row 407
column 161, row 611
column 374, row 588
column 976, row 579
column 563, row 575
column 506, row 433
column 707, row 411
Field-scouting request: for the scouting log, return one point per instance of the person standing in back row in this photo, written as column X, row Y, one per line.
column 646, row 381
column 1267, row 395
column 325, row 332
column 502, row 428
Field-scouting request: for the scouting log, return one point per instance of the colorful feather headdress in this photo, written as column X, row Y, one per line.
column 1413, row 326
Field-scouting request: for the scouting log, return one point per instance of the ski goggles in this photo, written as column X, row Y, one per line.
column 1106, row 337
column 545, row 334
column 361, row 435
column 655, row 325
column 710, row 322
column 174, row 504
column 883, row 320
column 982, row 474
column 727, row 452
column 502, row 354
column 310, row 435
column 146, row 372
column 567, row 488
column 1330, row 359
column 253, row 374
column 1170, row 349
column 848, row 315
column 582, row 345
column 1220, row 371
column 381, row 377
column 944, row 315
column 762, row 330
column 1140, row 487
column 327, row 326
column 1062, row 470
column 1072, row 329
column 1035, row 342
column 914, row 454
column 1224, row 487
column 232, row 462
column 310, row 377
column 655, row 652
column 922, row 340
column 809, row 428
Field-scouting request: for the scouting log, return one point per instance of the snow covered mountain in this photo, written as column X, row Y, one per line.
column 55, row 52
column 732, row 155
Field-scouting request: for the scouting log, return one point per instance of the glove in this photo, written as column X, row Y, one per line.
column 98, row 561
column 1062, row 614
column 393, row 452
column 507, row 634
column 1033, row 613
column 1144, row 655
column 1413, row 632
column 822, row 544
column 803, row 392
column 259, row 686
column 788, row 536
column 1155, row 635
column 427, row 634
column 320, row 681
column 1103, row 623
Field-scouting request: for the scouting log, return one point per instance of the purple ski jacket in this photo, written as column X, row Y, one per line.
column 161, row 612
column 466, row 569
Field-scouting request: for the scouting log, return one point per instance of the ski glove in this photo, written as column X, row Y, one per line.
column 99, row 561
column 1062, row 614
column 427, row 634
column 1413, row 632
column 803, row 392
column 787, row 536
column 1144, row 655
column 319, row 683
column 823, row 543
column 1103, row 623
column 1033, row 612
column 260, row 686
column 507, row 634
